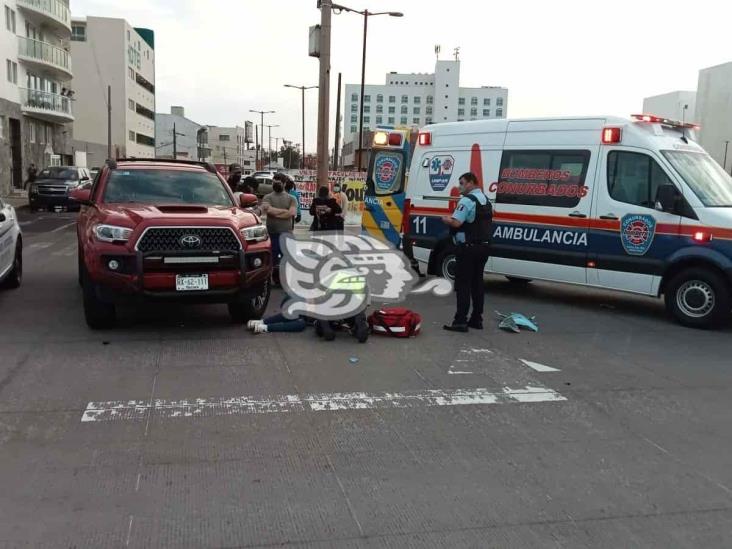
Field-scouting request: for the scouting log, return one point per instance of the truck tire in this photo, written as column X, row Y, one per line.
column 446, row 264
column 99, row 314
column 15, row 276
column 252, row 307
column 698, row 298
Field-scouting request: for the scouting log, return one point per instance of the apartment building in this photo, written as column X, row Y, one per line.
column 36, row 99
column 112, row 53
column 229, row 145
column 179, row 137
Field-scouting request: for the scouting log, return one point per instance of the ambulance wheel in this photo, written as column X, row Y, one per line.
column 447, row 263
column 519, row 281
column 698, row 298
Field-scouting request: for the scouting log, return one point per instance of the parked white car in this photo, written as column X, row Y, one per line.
column 11, row 247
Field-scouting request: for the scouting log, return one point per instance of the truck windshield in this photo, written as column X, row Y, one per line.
column 710, row 183
column 166, row 187
column 59, row 172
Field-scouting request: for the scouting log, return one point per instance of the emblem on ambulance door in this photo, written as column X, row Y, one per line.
column 637, row 232
column 441, row 171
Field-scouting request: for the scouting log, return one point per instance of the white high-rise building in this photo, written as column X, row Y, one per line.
column 35, row 95
column 110, row 52
column 676, row 105
column 418, row 99
column 714, row 112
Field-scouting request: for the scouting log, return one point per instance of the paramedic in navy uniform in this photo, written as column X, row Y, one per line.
column 470, row 226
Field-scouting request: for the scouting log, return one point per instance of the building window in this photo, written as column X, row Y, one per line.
column 379, row 98
column 486, row 112
column 132, row 136
column 415, row 110
column 128, row 39
column 487, row 101
column 143, row 139
column 224, row 137
column 10, row 19
column 461, row 101
column 473, row 111
column 473, row 100
column 392, row 110
column 131, row 104
column 461, row 112
column 403, row 120
column 354, row 97
column 379, row 119
column 391, row 120
column 429, row 99
column 499, row 113
column 12, row 69
column 392, row 99
column 428, row 121
column 367, row 99
column 2, row 127
column 354, row 118
column 499, row 101
column 366, row 119
column 366, row 108
column 78, row 33
column 144, row 83
column 428, row 110
column 354, row 107
column 379, row 109
column 405, row 109
column 405, row 98
column 354, row 129
column 417, row 100
column 415, row 120
column 131, row 73
column 32, row 131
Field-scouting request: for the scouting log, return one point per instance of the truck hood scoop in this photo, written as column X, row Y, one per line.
column 183, row 208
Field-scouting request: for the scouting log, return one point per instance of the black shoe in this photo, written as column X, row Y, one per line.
column 361, row 329
column 475, row 324
column 327, row 331
column 462, row 328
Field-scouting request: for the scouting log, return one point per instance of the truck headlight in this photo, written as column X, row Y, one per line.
column 257, row 233
column 112, row 233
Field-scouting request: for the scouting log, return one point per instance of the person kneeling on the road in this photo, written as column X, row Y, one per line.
column 470, row 226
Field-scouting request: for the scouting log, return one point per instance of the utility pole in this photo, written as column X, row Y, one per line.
column 324, row 95
column 269, row 142
column 262, row 113
column 724, row 164
column 338, row 126
column 363, row 85
column 256, row 147
column 175, row 143
column 302, row 96
column 109, row 122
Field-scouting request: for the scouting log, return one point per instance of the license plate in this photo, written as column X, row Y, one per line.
column 188, row 283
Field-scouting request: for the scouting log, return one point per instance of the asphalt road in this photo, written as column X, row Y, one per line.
column 178, row 429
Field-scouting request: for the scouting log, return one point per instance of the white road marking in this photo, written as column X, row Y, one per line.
column 466, row 356
column 315, row 402
column 66, row 251
column 38, row 246
column 539, row 367
column 62, row 227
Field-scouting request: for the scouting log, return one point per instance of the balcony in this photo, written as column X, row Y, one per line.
column 54, row 13
column 47, row 106
column 45, row 57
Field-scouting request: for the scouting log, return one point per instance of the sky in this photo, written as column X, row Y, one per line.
column 221, row 58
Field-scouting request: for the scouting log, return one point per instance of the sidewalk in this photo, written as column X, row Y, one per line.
column 17, row 199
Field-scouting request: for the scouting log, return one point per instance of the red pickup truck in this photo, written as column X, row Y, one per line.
column 169, row 230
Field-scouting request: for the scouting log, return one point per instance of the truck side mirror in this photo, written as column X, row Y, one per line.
column 667, row 199
column 81, row 195
column 248, row 200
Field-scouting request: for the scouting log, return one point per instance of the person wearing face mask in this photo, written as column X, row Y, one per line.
column 470, row 226
column 280, row 208
column 234, row 176
column 342, row 200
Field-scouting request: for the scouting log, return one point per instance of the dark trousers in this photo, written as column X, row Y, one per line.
column 471, row 260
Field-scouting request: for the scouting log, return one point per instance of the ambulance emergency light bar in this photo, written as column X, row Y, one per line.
column 392, row 139
column 653, row 119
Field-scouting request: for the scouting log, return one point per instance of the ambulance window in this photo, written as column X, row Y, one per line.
column 634, row 178
column 543, row 178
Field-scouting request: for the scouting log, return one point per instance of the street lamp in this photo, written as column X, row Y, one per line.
column 269, row 141
column 261, row 140
column 724, row 164
column 302, row 90
column 366, row 14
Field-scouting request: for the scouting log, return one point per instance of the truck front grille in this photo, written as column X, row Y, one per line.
column 173, row 239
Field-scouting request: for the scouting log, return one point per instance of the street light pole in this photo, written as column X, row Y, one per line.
column 302, row 92
column 324, row 95
column 262, row 113
column 724, row 164
column 269, row 141
column 366, row 14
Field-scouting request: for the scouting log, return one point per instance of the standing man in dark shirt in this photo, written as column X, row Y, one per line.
column 234, row 176
column 324, row 210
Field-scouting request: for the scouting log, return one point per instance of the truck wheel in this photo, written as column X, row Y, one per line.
column 447, row 263
column 99, row 314
column 698, row 298
column 518, row 281
column 253, row 306
column 15, row 276
column 80, row 261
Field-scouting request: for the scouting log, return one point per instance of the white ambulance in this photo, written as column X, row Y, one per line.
column 624, row 204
